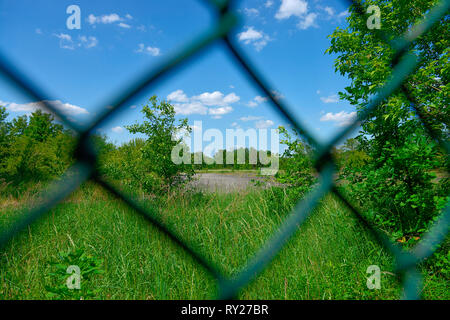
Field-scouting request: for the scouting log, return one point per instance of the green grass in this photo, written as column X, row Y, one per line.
column 326, row 259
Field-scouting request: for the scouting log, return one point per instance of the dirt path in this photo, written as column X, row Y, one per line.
column 230, row 182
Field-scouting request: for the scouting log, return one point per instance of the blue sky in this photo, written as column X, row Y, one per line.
column 83, row 69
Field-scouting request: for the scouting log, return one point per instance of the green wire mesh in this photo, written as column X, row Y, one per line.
column 403, row 64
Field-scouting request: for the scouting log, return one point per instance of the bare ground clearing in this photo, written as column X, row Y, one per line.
column 231, row 182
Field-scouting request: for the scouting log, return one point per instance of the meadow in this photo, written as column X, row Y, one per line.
column 124, row 257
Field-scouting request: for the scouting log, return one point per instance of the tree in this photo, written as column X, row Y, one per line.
column 33, row 149
column 396, row 180
column 162, row 137
column 296, row 163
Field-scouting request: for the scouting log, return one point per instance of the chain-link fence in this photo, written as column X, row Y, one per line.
column 403, row 64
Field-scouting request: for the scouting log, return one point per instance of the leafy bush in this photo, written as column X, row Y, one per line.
column 33, row 149
column 296, row 168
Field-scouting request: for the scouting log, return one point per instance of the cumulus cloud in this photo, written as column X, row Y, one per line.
column 251, row 11
column 256, row 101
column 203, row 104
column 104, row 19
column 250, row 118
column 124, row 25
column 308, row 21
column 254, row 37
column 331, row 13
column 152, row 51
column 66, row 41
column 217, row 113
column 112, row 18
column 290, row 8
column 263, row 124
column 65, row 108
column 216, row 98
column 178, row 96
column 190, row 108
column 342, row 118
column 88, row 42
column 268, row 3
column 334, row 98
column 299, row 9
column 343, row 14
column 117, row 129
column 329, row 10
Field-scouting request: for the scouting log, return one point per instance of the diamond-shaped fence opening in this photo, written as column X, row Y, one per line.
column 403, row 64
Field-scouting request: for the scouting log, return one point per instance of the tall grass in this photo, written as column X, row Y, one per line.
column 326, row 259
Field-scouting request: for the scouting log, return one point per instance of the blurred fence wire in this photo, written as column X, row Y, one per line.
column 403, row 64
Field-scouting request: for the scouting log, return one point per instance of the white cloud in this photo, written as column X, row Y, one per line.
column 257, row 38
column 297, row 8
column 260, row 99
column 256, row 101
column 200, row 104
column 330, row 99
column 290, row 8
column 251, row 11
column 263, row 124
column 88, row 42
column 341, row 118
column 219, row 112
column 65, row 41
column 250, row 118
column 343, row 14
column 104, row 19
column 250, row 35
column 216, row 98
column 329, row 10
column 268, row 3
column 178, row 96
column 190, row 108
column 65, row 108
column 117, row 129
column 152, row 51
column 128, row 16
column 124, row 25
column 308, row 21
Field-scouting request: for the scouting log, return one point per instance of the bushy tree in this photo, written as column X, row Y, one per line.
column 396, row 181
column 162, row 136
column 351, row 155
column 297, row 169
column 33, row 148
